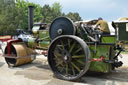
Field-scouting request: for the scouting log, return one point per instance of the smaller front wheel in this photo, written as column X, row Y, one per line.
column 68, row 57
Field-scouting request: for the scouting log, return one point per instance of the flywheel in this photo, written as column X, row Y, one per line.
column 61, row 26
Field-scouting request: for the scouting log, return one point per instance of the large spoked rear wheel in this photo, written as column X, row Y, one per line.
column 68, row 57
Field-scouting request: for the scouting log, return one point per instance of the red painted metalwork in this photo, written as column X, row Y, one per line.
column 98, row 59
column 9, row 42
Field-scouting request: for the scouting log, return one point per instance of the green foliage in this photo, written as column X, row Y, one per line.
column 56, row 9
column 74, row 16
column 22, row 7
column 50, row 13
column 14, row 15
column 7, row 17
column 47, row 14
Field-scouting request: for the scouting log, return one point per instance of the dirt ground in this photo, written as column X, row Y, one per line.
column 39, row 73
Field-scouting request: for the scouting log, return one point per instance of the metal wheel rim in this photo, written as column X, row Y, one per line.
column 76, row 66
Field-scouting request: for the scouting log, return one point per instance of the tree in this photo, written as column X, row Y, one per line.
column 7, row 17
column 50, row 13
column 56, row 10
column 22, row 7
column 14, row 15
column 47, row 14
column 74, row 16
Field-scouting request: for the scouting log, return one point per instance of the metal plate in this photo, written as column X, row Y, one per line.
column 126, row 27
column 61, row 26
column 122, row 32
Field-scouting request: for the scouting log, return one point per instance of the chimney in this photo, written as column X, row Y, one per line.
column 30, row 17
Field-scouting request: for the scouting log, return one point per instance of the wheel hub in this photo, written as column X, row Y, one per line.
column 60, row 31
column 67, row 57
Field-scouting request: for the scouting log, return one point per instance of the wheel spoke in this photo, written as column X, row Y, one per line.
column 56, row 53
column 62, row 44
column 72, row 47
column 77, row 50
column 62, row 68
column 73, row 70
column 59, row 63
column 81, row 62
column 78, row 56
column 55, row 58
column 68, row 43
column 66, row 69
column 77, row 68
column 59, row 47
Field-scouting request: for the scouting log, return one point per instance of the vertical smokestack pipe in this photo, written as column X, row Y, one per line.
column 30, row 17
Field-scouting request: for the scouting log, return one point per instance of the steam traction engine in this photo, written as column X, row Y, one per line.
column 73, row 48
column 77, row 48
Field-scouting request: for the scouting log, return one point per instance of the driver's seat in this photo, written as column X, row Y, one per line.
column 97, row 34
